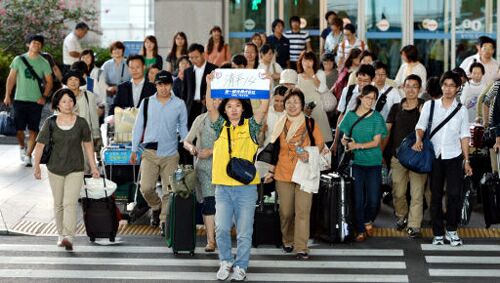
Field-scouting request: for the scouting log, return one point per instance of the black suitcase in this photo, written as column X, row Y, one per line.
column 266, row 224
column 121, row 174
column 490, row 192
column 181, row 223
column 100, row 217
column 334, row 213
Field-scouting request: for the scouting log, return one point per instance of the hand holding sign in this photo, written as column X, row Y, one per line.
column 240, row 83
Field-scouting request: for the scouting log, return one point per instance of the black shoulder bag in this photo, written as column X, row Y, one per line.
column 348, row 155
column 382, row 100
column 240, row 169
column 47, row 149
column 41, row 83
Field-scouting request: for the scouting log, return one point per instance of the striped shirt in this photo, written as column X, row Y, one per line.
column 298, row 42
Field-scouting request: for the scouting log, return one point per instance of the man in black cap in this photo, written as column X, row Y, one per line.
column 165, row 115
column 31, row 74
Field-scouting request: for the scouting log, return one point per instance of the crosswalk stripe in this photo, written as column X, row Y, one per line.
column 478, row 248
column 195, row 276
column 465, row 272
column 463, row 259
column 165, row 250
column 198, row 262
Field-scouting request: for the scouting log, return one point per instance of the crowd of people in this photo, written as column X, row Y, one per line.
column 341, row 101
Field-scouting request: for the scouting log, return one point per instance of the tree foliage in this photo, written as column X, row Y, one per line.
column 19, row 18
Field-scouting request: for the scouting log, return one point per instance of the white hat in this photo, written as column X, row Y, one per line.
column 288, row 76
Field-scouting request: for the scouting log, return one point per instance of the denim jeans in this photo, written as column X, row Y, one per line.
column 367, row 181
column 236, row 202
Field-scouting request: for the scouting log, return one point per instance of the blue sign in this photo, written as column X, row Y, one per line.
column 132, row 47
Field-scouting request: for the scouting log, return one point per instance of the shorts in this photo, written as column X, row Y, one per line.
column 27, row 114
column 208, row 207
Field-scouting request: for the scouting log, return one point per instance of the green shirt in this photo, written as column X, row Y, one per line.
column 364, row 132
column 255, row 127
column 149, row 61
column 27, row 88
column 67, row 151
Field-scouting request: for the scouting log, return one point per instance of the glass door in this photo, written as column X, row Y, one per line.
column 432, row 34
column 308, row 11
column 246, row 17
column 384, row 31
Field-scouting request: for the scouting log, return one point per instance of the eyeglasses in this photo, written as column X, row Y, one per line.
column 411, row 87
column 381, row 74
column 368, row 98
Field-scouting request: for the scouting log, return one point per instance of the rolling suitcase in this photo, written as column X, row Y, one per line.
column 181, row 223
column 100, row 217
column 334, row 209
column 490, row 192
column 266, row 224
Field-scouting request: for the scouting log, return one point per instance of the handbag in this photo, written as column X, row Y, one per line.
column 348, row 155
column 240, row 169
column 47, row 149
column 7, row 124
column 421, row 161
column 489, row 137
column 329, row 101
column 183, row 180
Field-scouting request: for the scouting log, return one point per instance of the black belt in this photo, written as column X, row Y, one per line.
column 151, row 145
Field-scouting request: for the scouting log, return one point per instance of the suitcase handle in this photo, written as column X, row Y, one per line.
column 261, row 198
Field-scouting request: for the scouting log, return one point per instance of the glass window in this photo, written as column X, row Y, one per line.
column 344, row 8
column 429, row 34
column 246, row 17
column 308, row 11
column 384, row 32
column 471, row 24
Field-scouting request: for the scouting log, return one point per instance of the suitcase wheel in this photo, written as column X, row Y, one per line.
column 92, row 239
column 112, row 239
column 191, row 253
column 176, row 253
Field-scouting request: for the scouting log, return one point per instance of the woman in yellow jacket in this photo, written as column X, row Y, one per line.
column 234, row 200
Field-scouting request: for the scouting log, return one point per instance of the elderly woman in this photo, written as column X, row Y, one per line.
column 68, row 132
column 292, row 133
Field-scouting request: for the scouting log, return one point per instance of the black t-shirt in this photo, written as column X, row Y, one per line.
column 326, row 32
column 403, row 123
column 282, row 49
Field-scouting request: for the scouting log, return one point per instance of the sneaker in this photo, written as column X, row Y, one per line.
column 27, row 161
column 414, row 233
column 224, row 270
column 288, row 249
column 155, row 218
column 59, row 241
column 302, row 256
column 238, row 275
column 452, row 237
column 22, row 153
column 438, row 240
column 68, row 245
column 401, row 223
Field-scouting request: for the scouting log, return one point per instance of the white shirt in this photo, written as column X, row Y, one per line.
column 345, row 50
column 393, row 97
column 447, row 141
column 405, row 70
column 352, row 103
column 136, row 91
column 490, row 68
column 469, row 98
column 71, row 43
column 198, row 74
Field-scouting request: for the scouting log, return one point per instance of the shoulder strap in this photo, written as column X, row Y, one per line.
column 229, row 141
column 382, row 100
column 348, row 97
column 357, row 121
column 362, row 45
column 445, row 120
column 145, row 115
column 88, row 104
column 431, row 115
column 33, row 73
column 310, row 129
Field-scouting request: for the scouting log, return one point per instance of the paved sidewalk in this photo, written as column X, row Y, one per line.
column 22, row 197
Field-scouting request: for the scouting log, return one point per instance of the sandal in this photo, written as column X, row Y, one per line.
column 369, row 229
column 361, row 237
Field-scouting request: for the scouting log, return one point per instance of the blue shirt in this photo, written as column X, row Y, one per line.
column 115, row 74
column 164, row 122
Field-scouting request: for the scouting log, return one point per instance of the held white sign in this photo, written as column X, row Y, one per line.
column 240, row 83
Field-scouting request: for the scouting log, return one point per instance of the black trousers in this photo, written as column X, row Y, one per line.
column 449, row 171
